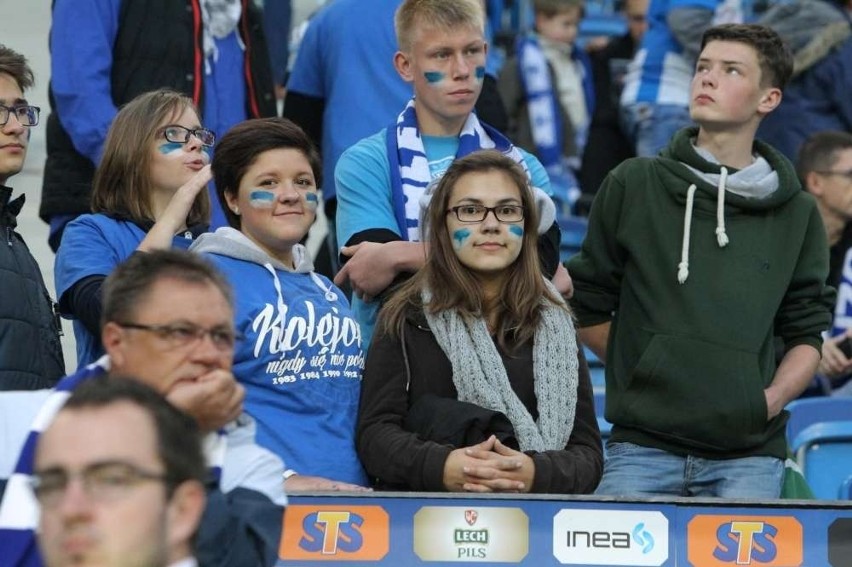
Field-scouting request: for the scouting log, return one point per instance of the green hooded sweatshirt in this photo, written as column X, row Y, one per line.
column 687, row 362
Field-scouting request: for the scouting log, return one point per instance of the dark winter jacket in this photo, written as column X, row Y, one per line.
column 30, row 349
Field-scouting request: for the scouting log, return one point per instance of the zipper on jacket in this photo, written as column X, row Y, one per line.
column 9, row 236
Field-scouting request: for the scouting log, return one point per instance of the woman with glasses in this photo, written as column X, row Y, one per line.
column 300, row 359
column 475, row 380
column 148, row 193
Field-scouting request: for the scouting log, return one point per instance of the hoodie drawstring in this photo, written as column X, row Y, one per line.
column 683, row 267
column 721, row 234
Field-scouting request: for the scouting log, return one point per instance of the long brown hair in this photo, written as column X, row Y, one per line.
column 122, row 183
column 454, row 286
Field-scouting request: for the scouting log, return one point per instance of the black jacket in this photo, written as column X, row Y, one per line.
column 397, row 457
column 159, row 44
column 30, row 350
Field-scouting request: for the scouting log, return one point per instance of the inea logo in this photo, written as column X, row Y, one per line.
column 643, row 537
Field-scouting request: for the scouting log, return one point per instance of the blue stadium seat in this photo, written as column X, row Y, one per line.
column 824, row 452
column 846, row 489
column 807, row 411
column 600, row 401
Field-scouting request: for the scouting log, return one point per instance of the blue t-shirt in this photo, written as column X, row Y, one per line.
column 93, row 245
column 365, row 199
column 346, row 58
column 301, row 363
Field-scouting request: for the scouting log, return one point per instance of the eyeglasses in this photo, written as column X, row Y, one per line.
column 180, row 135
column 847, row 174
column 26, row 114
column 185, row 334
column 477, row 213
column 102, row 482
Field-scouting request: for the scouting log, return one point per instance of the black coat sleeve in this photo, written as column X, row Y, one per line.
column 306, row 111
column 578, row 468
column 393, row 456
column 239, row 529
column 83, row 301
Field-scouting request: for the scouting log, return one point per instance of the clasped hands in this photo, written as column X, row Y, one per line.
column 489, row 466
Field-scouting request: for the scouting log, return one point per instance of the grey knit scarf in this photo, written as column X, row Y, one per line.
column 480, row 377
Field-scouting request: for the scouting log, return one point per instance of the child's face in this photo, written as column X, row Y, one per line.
column 726, row 88
column 447, row 68
column 561, row 28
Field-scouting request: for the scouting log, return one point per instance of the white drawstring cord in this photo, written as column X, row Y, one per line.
column 683, row 267
column 721, row 235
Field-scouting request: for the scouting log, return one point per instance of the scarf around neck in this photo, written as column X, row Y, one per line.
column 480, row 377
column 219, row 18
column 19, row 511
column 409, row 166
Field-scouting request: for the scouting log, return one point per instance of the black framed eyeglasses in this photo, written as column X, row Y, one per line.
column 184, row 334
column 26, row 114
column 477, row 213
column 103, row 482
column 180, row 135
column 847, row 174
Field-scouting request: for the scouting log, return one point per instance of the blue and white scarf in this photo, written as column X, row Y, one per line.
column 542, row 102
column 409, row 167
column 19, row 510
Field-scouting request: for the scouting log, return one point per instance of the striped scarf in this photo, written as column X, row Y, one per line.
column 409, row 167
column 19, row 509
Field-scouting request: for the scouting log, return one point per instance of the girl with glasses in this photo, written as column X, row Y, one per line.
column 475, row 380
column 148, row 193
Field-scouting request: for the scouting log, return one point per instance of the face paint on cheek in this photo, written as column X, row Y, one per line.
column 480, row 73
column 260, row 199
column 459, row 237
column 434, row 77
column 169, row 148
column 516, row 231
column 312, row 201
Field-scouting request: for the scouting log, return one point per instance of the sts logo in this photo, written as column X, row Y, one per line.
column 770, row 541
column 358, row 533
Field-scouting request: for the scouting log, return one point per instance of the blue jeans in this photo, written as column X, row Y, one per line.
column 634, row 470
column 651, row 126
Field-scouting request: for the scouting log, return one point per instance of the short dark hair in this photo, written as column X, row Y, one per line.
column 819, row 152
column 773, row 55
column 242, row 144
column 550, row 8
column 126, row 287
column 15, row 65
column 179, row 440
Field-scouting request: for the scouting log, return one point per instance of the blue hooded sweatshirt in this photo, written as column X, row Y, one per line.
column 301, row 357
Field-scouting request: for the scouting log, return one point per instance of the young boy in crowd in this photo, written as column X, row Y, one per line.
column 548, row 91
column 694, row 261
column 381, row 179
column 30, row 352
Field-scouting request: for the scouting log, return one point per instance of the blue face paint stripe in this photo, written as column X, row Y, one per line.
column 261, row 198
column 312, row 199
column 480, row 73
column 434, row 76
column 459, row 236
column 516, row 230
column 169, row 147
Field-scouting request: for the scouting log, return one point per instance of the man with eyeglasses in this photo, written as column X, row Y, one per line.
column 30, row 349
column 119, row 477
column 168, row 321
column 824, row 167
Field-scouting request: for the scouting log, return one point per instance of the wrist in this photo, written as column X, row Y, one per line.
column 288, row 473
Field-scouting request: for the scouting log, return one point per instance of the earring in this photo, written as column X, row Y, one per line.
column 237, row 211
